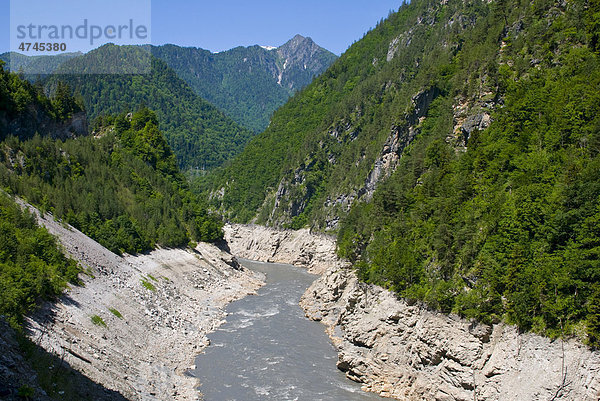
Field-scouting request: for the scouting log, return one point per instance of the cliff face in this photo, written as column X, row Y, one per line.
column 299, row 248
column 34, row 120
column 407, row 352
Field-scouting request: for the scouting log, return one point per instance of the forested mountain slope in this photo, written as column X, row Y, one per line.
column 200, row 135
column 32, row 267
column 455, row 151
column 120, row 186
column 41, row 65
column 248, row 83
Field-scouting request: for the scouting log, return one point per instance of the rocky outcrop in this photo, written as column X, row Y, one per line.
column 137, row 322
column 316, row 252
column 16, row 374
column 35, row 120
column 400, row 137
column 299, row 61
column 407, row 352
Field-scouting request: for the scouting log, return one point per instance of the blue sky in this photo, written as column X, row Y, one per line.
column 223, row 24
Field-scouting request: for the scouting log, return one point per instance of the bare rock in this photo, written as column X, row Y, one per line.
column 300, row 248
column 408, row 352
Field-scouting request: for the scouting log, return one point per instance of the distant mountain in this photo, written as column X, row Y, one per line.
column 200, row 135
column 249, row 83
column 40, row 65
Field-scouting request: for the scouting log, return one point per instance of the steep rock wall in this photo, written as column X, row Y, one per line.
column 316, row 252
column 407, row 352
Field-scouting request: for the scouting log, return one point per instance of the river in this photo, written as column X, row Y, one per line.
column 268, row 350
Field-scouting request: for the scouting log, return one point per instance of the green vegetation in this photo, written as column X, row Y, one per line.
column 200, row 135
column 25, row 392
column 499, row 224
column 147, row 284
column 243, row 82
column 24, row 108
column 509, row 229
column 32, row 267
column 326, row 138
column 121, row 188
column 98, row 321
column 116, row 313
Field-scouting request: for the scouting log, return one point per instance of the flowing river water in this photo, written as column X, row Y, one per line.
column 268, row 350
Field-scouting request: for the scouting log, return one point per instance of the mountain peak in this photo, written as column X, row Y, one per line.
column 299, row 37
column 297, row 42
column 301, row 56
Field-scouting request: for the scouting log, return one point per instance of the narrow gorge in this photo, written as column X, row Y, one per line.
column 408, row 352
column 157, row 310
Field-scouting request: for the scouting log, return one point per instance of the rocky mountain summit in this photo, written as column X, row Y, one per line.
column 299, row 60
column 248, row 83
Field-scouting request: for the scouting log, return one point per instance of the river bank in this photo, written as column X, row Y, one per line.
column 137, row 323
column 268, row 351
column 407, row 352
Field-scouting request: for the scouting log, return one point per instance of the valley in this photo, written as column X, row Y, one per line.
column 417, row 219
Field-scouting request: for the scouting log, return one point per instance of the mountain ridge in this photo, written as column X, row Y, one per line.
column 200, row 135
column 248, row 83
column 247, row 91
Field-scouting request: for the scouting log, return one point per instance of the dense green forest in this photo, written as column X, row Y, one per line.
column 494, row 224
column 121, row 187
column 200, row 135
column 248, row 83
column 32, row 266
column 508, row 229
column 24, row 107
column 246, row 91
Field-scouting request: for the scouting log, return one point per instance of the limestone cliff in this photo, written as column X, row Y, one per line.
column 407, row 352
column 301, row 248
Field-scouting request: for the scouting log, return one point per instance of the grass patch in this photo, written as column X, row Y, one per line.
column 116, row 313
column 151, row 277
column 97, row 320
column 25, row 392
column 148, row 285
